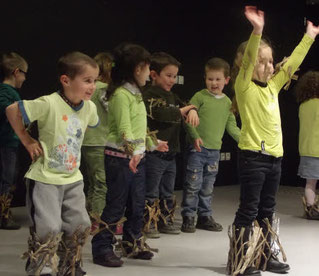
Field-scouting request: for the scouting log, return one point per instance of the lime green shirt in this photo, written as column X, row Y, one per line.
column 309, row 128
column 215, row 116
column 258, row 106
column 97, row 136
column 61, row 130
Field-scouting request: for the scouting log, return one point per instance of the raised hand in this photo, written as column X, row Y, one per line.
column 312, row 30
column 256, row 18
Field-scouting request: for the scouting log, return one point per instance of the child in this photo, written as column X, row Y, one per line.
column 124, row 162
column 55, row 198
column 202, row 167
column 260, row 144
column 308, row 96
column 13, row 74
column 165, row 113
column 95, row 140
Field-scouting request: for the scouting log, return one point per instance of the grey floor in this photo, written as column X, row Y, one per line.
column 202, row 253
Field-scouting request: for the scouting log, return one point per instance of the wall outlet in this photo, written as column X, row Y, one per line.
column 180, row 79
column 227, row 156
column 222, row 156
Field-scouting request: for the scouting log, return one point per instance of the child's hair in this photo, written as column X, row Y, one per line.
column 9, row 62
column 104, row 61
column 160, row 60
column 73, row 64
column 217, row 64
column 308, row 86
column 126, row 57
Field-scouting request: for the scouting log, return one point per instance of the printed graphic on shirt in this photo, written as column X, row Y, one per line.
column 65, row 156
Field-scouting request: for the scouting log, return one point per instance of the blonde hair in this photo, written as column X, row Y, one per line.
column 104, row 60
column 10, row 62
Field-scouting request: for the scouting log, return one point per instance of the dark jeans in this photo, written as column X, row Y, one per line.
column 8, row 156
column 259, row 177
column 160, row 177
column 125, row 196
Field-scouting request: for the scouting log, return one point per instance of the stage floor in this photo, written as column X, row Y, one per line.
column 202, row 253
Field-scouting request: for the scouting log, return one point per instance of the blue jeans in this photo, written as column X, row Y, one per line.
column 202, row 168
column 125, row 196
column 160, row 178
column 259, row 177
column 8, row 157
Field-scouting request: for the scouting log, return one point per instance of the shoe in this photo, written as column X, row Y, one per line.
column 143, row 253
column 275, row 266
column 94, row 226
column 208, row 223
column 119, row 229
column 188, row 225
column 109, row 259
column 9, row 224
column 251, row 271
column 152, row 232
column 168, row 228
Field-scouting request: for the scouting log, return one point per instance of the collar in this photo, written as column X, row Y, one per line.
column 216, row 96
column 75, row 107
column 132, row 88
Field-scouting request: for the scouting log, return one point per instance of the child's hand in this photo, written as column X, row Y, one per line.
column 312, row 30
column 197, row 143
column 134, row 162
column 256, row 18
column 162, row 146
column 192, row 118
column 185, row 109
column 34, row 148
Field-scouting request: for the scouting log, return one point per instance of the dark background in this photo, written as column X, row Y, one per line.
column 42, row 31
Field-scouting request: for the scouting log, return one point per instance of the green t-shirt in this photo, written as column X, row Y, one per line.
column 309, row 128
column 97, row 136
column 61, row 130
column 258, row 106
column 215, row 116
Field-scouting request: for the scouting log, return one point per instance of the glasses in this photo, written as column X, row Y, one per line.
column 24, row 72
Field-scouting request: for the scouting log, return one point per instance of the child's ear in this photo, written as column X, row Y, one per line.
column 227, row 80
column 65, row 80
column 153, row 74
column 15, row 72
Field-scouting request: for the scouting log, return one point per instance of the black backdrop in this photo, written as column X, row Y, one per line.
column 42, row 31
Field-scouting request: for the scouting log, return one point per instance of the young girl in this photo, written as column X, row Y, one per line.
column 124, row 152
column 13, row 69
column 260, row 143
column 307, row 90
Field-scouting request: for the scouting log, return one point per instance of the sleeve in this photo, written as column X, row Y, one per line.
column 293, row 62
column 231, row 127
column 192, row 132
column 94, row 118
column 4, row 103
column 248, row 64
column 34, row 110
column 158, row 110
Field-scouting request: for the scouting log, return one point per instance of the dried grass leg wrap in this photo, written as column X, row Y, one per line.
column 70, row 252
column 130, row 250
column 5, row 202
column 151, row 215
column 312, row 211
column 167, row 214
column 41, row 254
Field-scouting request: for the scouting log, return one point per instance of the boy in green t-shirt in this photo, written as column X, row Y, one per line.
column 55, row 198
column 215, row 116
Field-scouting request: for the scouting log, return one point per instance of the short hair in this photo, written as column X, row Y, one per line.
column 72, row 64
column 9, row 62
column 104, row 60
column 160, row 60
column 218, row 64
column 308, row 86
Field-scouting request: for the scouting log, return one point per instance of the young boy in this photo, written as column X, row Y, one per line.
column 202, row 167
column 165, row 113
column 55, row 198
column 13, row 69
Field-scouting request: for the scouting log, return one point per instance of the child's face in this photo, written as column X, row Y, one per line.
column 264, row 67
column 215, row 81
column 167, row 77
column 142, row 73
column 82, row 86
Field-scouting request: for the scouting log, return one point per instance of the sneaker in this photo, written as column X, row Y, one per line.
column 152, row 232
column 273, row 265
column 188, row 225
column 9, row 224
column 251, row 271
column 142, row 254
column 168, row 228
column 94, row 227
column 108, row 259
column 208, row 223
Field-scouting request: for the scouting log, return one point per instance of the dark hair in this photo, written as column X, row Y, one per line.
column 160, row 60
column 308, row 86
column 126, row 57
column 9, row 62
column 73, row 64
column 217, row 64
column 104, row 60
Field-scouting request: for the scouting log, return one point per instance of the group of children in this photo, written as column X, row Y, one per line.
column 130, row 138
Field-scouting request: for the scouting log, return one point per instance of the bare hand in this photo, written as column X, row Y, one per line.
column 162, row 146
column 185, row 109
column 197, row 143
column 256, row 18
column 34, row 148
column 134, row 162
column 312, row 30
column 192, row 118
